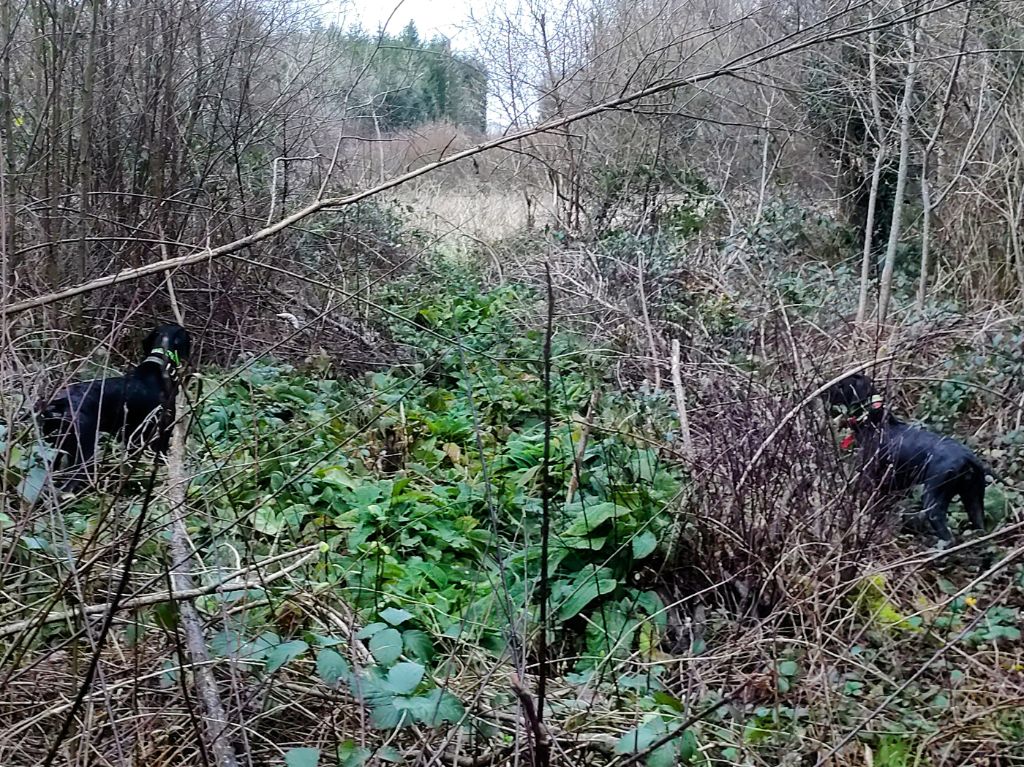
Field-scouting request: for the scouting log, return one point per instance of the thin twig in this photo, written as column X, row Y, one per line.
column 581, row 447
column 792, row 414
column 684, row 420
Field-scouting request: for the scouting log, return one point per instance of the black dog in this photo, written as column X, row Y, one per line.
column 909, row 455
column 138, row 407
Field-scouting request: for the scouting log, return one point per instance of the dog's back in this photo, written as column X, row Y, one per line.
column 902, row 455
column 134, row 406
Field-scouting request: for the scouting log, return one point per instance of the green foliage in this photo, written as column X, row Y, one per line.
column 791, row 234
column 302, row 757
column 431, row 549
column 680, row 749
column 877, row 608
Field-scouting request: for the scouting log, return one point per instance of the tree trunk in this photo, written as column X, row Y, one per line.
column 885, row 288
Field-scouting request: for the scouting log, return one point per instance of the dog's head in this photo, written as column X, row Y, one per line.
column 851, row 396
column 167, row 345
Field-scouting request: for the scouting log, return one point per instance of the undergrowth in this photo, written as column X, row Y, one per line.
column 749, row 594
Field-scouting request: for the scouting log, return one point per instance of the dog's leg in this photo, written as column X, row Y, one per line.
column 936, row 499
column 972, row 493
column 80, row 444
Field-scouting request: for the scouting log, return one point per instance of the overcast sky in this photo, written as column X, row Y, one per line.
column 432, row 17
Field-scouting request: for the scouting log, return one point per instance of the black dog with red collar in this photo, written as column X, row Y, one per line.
column 138, row 407
column 901, row 455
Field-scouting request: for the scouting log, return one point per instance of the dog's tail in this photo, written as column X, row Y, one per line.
column 988, row 471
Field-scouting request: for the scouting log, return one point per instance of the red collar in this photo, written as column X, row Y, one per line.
column 854, row 421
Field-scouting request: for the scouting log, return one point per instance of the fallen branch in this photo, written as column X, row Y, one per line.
column 229, row 583
column 215, row 722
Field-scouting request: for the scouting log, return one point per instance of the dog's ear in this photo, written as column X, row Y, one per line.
column 852, row 391
column 149, row 341
column 182, row 343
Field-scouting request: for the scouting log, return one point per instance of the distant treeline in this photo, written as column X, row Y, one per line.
column 406, row 81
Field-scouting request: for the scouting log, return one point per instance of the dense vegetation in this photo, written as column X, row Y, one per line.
column 517, row 462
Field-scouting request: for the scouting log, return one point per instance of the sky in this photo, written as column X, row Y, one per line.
column 432, row 17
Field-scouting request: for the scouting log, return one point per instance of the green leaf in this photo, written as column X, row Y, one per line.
column 33, row 543
column 585, row 593
column 31, row 486
column 418, row 644
column 644, row 544
column 788, row 668
column 166, row 615
column 332, row 667
column 664, row 699
column 406, row 677
column 388, row 754
column 352, row 755
column 369, row 631
column 267, row 521
column 687, row 745
column 387, row 717
column 302, row 757
column 594, row 543
column 285, row 652
column 394, row 616
column 591, row 517
column 639, row 738
column 663, row 756
column 433, row 708
column 386, row 646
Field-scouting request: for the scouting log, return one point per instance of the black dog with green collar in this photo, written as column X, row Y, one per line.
column 137, row 407
column 901, row 455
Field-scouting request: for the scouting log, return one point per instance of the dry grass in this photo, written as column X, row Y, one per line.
column 470, row 214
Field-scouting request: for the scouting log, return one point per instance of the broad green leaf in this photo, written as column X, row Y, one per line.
column 331, row 667
column 585, row 593
column 31, row 486
column 663, row 756
column 259, row 648
column 166, row 615
column 644, row 544
column 417, row 644
column 394, row 616
column 388, row 754
column 664, row 699
column 640, row 738
column 433, row 708
column 386, row 717
column 32, row 543
column 386, row 646
column 324, row 641
column 788, row 668
column 338, row 476
column 405, row 677
column 267, row 521
column 302, row 757
column 285, row 652
column 589, row 543
column 352, row 755
column 687, row 745
column 589, row 519
column 370, row 630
